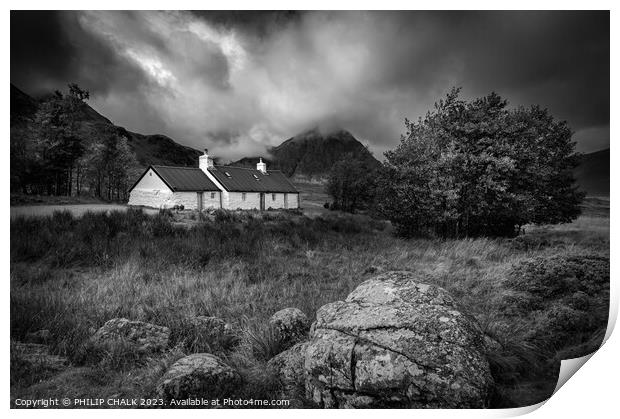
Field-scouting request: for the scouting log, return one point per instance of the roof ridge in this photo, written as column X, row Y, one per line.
column 247, row 168
column 236, row 167
column 175, row 167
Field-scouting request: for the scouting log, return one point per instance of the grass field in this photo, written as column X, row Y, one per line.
column 69, row 275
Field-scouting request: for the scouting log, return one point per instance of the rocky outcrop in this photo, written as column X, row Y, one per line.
column 198, row 375
column 396, row 343
column 291, row 326
column 143, row 337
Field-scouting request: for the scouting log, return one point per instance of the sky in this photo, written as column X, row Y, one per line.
column 241, row 82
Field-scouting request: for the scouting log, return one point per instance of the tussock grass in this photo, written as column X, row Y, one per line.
column 70, row 275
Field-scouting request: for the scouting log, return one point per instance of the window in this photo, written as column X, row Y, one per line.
column 227, row 174
column 243, row 196
column 273, row 197
column 255, row 177
column 212, row 195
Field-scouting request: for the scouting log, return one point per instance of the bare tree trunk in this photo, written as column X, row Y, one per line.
column 70, row 186
column 77, row 180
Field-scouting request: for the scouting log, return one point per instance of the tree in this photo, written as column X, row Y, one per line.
column 477, row 168
column 57, row 145
column 351, row 183
column 108, row 166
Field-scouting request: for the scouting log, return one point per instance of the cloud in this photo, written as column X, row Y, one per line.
column 240, row 82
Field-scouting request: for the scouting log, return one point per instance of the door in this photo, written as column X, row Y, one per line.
column 262, row 201
column 199, row 202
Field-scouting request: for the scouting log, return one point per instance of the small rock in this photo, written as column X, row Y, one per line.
column 373, row 269
column 36, row 356
column 579, row 301
column 291, row 326
column 40, row 336
column 198, row 375
column 144, row 337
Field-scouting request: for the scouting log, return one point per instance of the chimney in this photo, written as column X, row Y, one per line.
column 205, row 162
column 261, row 167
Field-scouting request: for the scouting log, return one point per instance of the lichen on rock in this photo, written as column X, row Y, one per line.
column 396, row 343
column 290, row 325
column 143, row 337
column 198, row 375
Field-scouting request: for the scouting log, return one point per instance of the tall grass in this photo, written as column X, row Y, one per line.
column 69, row 275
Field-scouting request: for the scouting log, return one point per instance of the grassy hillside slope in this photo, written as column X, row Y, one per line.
column 592, row 174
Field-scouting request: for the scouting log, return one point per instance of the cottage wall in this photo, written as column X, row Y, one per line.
column 208, row 202
column 151, row 191
column 149, row 198
column 270, row 203
column 293, row 200
column 151, row 180
column 234, row 200
column 189, row 200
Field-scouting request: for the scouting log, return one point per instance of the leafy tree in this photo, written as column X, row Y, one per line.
column 108, row 167
column 59, row 154
column 351, row 183
column 57, row 145
column 478, row 168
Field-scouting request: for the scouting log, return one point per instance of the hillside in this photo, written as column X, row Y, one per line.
column 149, row 149
column 593, row 173
column 309, row 156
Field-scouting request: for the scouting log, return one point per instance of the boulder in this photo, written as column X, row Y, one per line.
column 143, row 337
column 289, row 366
column 396, row 343
column 290, row 325
column 198, row 375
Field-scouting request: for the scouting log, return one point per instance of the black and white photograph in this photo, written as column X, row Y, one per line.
column 306, row 209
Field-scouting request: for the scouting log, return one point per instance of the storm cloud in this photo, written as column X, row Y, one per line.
column 239, row 82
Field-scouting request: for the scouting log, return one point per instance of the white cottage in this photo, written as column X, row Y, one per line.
column 210, row 186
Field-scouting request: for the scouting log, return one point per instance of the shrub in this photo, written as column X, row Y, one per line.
column 566, row 297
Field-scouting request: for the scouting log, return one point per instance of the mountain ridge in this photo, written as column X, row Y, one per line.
column 93, row 127
column 310, row 155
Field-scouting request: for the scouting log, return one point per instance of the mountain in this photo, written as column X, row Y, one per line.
column 94, row 128
column 309, row 156
column 23, row 107
column 592, row 174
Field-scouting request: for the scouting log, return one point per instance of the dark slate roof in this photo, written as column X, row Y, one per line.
column 182, row 179
column 240, row 179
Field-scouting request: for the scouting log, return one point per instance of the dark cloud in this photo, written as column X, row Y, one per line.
column 242, row 81
column 256, row 22
column 40, row 53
